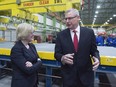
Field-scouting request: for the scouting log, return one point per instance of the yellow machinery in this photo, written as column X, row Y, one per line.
column 43, row 54
column 25, row 8
column 49, row 55
column 40, row 5
column 105, row 60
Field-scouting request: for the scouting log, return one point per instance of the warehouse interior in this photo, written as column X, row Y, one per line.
column 47, row 17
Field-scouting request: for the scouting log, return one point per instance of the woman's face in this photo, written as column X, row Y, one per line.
column 30, row 37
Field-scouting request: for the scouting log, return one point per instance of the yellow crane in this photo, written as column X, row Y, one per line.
column 37, row 6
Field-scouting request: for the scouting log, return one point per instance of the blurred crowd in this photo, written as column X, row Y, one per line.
column 104, row 39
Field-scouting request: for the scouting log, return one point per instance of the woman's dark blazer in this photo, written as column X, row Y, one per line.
column 82, row 58
column 24, row 76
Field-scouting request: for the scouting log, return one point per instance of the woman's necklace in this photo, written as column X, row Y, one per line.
column 27, row 46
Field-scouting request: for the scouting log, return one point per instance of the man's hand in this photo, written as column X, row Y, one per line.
column 67, row 59
column 96, row 63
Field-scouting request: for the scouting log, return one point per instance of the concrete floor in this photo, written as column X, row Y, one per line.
column 103, row 80
column 6, row 82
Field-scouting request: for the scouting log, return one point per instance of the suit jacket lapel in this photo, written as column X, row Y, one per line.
column 81, row 37
column 68, row 36
column 25, row 50
column 33, row 49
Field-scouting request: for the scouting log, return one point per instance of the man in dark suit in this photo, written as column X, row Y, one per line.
column 75, row 47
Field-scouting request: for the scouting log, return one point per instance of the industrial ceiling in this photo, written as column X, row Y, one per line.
column 94, row 13
column 98, row 13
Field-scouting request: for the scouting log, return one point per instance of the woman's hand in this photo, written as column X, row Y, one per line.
column 28, row 64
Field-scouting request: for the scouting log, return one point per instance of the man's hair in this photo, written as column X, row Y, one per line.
column 75, row 11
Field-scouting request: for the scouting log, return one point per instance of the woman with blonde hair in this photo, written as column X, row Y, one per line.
column 24, row 58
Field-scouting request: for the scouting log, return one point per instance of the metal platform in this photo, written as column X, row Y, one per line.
column 49, row 47
column 46, row 52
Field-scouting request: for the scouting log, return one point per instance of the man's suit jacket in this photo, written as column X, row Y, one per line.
column 24, row 76
column 82, row 58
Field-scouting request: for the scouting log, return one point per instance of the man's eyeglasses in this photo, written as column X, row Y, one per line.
column 69, row 18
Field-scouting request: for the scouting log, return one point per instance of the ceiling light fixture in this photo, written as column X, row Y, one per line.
column 114, row 15
column 96, row 12
column 98, row 6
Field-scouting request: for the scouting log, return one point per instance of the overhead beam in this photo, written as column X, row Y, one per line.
column 35, row 4
column 25, row 5
column 47, row 9
column 112, row 27
column 25, row 8
column 4, row 20
column 3, row 2
column 24, row 14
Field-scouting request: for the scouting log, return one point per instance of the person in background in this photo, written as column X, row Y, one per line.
column 74, row 48
column 100, row 40
column 112, row 40
column 24, row 58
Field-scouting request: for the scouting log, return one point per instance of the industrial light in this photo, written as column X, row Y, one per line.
column 95, row 16
column 98, row 6
column 96, row 12
column 110, row 18
column 5, row 17
column 114, row 15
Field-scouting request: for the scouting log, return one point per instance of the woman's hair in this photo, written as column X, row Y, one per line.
column 23, row 30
